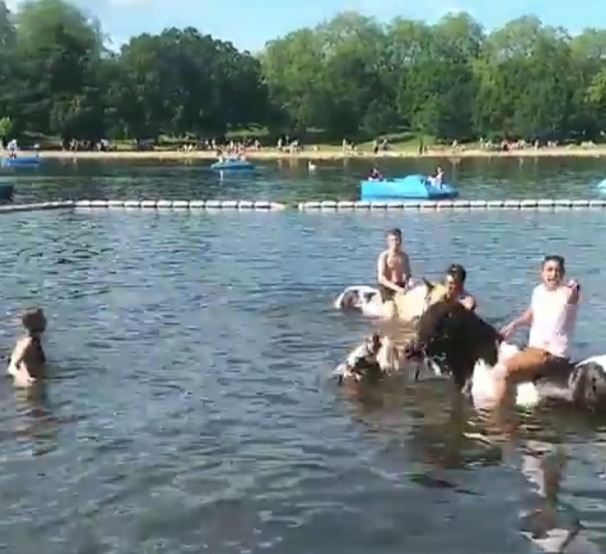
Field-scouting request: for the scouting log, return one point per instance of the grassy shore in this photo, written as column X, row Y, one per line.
column 320, row 153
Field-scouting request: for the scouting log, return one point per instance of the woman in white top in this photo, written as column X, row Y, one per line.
column 552, row 317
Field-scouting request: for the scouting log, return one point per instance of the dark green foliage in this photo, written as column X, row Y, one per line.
column 351, row 77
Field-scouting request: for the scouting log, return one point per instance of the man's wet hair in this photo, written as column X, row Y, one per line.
column 33, row 320
column 457, row 272
column 395, row 232
column 555, row 258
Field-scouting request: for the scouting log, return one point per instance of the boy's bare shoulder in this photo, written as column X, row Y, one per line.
column 20, row 345
column 382, row 256
column 26, row 342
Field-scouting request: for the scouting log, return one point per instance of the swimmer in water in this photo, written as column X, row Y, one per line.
column 28, row 360
column 455, row 286
column 393, row 267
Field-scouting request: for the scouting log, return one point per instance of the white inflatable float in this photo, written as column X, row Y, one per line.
column 406, row 306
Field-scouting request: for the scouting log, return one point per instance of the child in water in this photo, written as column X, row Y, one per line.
column 27, row 360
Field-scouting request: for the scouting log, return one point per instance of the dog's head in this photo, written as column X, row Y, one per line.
column 353, row 298
column 455, row 338
column 435, row 292
column 363, row 362
column 434, row 331
column 413, row 303
column 588, row 385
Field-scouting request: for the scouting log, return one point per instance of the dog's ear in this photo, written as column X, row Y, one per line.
column 428, row 284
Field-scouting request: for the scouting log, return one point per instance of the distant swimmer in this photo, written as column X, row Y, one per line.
column 27, row 360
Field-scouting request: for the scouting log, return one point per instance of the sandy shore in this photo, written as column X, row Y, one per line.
column 328, row 154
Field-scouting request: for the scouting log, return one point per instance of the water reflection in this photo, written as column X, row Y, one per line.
column 551, row 525
column 35, row 419
column 447, row 437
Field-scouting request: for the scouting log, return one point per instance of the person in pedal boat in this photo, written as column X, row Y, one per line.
column 375, row 175
column 437, row 179
column 393, row 267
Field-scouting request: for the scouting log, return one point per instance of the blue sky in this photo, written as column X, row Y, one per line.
column 250, row 23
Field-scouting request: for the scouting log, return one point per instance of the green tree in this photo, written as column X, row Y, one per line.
column 182, row 82
column 58, row 53
column 6, row 127
column 294, row 70
column 352, row 77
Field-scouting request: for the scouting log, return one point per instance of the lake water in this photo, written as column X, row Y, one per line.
column 189, row 408
column 288, row 181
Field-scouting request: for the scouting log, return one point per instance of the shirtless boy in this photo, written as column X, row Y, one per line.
column 393, row 267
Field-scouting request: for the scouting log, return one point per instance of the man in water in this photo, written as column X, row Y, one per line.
column 455, row 286
column 552, row 318
column 393, row 267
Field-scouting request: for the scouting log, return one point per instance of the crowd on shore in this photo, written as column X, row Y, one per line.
column 286, row 148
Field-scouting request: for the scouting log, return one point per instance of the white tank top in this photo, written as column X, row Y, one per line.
column 553, row 320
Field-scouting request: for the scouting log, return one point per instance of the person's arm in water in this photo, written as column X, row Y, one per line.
column 381, row 271
column 17, row 362
column 512, row 326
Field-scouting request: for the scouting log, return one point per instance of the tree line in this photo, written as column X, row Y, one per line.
column 349, row 77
